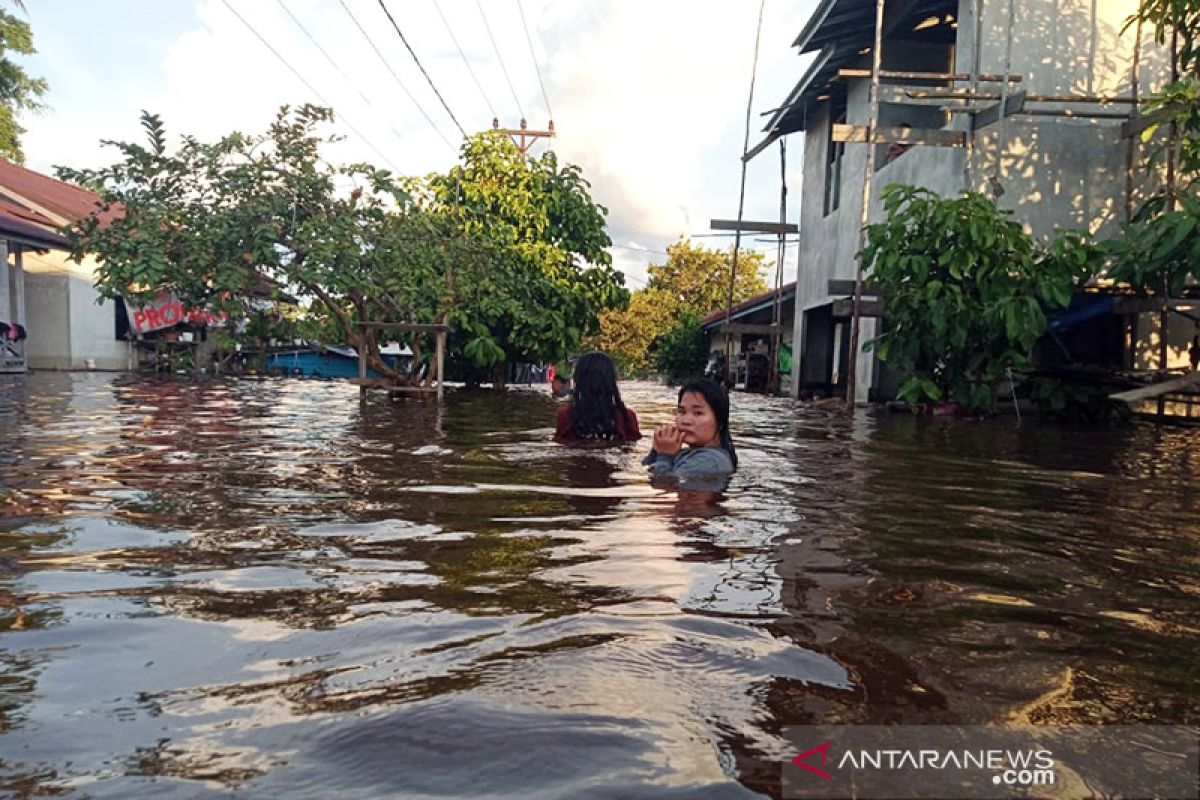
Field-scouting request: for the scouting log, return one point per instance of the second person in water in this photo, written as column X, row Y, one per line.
column 596, row 413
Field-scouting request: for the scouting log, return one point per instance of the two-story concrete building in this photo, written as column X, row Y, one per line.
column 1060, row 157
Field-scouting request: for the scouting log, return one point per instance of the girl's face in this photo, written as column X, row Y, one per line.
column 696, row 421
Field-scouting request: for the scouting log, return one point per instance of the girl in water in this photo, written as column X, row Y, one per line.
column 699, row 442
column 596, row 413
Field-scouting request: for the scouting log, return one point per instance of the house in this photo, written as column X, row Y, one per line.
column 23, row 232
column 68, row 325
column 1031, row 101
column 750, row 330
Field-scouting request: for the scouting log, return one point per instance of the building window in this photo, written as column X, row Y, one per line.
column 835, row 155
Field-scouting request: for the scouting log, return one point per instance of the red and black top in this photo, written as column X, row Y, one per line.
column 626, row 425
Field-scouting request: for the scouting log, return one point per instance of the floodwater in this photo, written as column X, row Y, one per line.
column 268, row 589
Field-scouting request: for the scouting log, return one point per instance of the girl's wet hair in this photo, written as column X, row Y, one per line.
column 718, row 400
column 595, row 399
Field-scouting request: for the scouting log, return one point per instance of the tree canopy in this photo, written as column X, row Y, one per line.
column 18, row 91
column 693, row 282
column 508, row 250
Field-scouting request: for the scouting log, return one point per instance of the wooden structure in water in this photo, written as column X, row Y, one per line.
column 438, row 329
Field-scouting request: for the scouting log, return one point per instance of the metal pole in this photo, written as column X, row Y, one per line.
column 868, row 175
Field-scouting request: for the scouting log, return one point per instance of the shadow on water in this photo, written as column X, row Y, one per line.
column 275, row 588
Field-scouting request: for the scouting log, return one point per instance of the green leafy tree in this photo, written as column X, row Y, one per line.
column 694, row 281
column 682, row 352
column 18, row 91
column 964, row 291
column 1158, row 251
column 216, row 223
column 540, row 276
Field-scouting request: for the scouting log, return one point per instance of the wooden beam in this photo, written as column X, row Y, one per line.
column 923, row 136
column 742, row 328
column 1157, row 389
column 926, row 76
column 843, row 286
column 750, row 226
column 992, row 114
column 869, row 308
column 1146, row 305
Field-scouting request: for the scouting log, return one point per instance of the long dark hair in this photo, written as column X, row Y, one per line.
column 595, row 399
column 714, row 394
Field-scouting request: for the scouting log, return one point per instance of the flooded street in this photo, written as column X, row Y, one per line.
column 270, row 589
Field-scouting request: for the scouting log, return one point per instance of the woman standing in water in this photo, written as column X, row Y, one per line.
column 698, row 444
column 596, row 413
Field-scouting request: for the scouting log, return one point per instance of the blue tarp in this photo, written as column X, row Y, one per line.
column 1082, row 308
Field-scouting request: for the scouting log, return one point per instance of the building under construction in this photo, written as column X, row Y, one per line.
column 1033, row 102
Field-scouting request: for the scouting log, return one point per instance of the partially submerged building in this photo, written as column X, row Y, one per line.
column 1033, row 101
column 67, row 324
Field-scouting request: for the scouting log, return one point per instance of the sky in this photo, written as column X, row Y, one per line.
column 648, row 97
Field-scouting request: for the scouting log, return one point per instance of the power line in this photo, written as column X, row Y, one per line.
column 334, row 63
column 499, row 58
column 454, row 39
column 399, row 82
column 300, row 77
column 533, row 55
column 422, row 68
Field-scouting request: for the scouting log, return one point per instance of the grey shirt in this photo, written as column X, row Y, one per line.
column 690, row 462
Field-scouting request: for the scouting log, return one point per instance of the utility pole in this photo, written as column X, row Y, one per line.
column 523, row 137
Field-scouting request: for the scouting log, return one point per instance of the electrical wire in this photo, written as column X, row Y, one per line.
column 499, row 58
column 333, row 63
column 458, row 47
column 300, row 77
column 396, row 77
column 421, row 67
column 533, row 55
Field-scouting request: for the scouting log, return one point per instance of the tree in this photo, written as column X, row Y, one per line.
column 216, row 223
column 682, row 352
column 964, row 288
column 18, row 91
column 694, row 280
column 1158, row 251
column 491, row 248
column 548, row 275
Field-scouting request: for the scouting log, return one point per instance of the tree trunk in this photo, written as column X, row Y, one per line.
column 500, row 376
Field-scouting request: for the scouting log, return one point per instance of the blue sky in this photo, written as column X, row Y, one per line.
column 648, row 96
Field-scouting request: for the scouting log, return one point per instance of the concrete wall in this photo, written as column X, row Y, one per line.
column 49, row 323
column 1056, row 173
column 67, row 327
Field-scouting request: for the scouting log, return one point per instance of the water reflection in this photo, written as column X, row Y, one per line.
column 275, row 587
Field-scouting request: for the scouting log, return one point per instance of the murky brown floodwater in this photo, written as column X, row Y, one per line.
column 265, row 587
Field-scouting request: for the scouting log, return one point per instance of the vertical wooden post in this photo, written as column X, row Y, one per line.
column 1164, row 315
column 441, row 355
column 868, row 175
column 737, row 237
column 362, row 364
column 1131, row 154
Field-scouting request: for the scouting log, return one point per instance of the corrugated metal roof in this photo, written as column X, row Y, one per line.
column 61, row 199
column 30, row 229
column 749, row 306
column 840, row 30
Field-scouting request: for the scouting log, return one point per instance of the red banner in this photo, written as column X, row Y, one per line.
column 166, row 311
